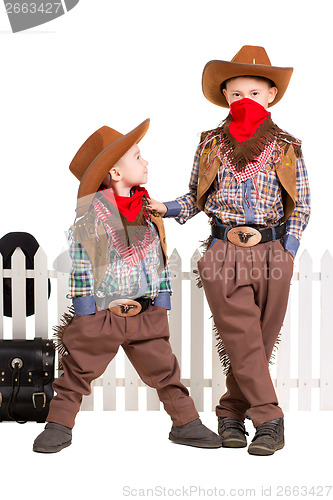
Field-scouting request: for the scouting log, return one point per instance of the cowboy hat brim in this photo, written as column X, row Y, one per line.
column 103, row 162
column 216, row 72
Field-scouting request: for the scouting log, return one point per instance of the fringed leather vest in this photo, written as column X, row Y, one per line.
column 285, row 170
column 97, row 249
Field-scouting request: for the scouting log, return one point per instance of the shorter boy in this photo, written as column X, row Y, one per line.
column 120, row 288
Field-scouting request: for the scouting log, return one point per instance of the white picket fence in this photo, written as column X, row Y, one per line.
column 303, row 361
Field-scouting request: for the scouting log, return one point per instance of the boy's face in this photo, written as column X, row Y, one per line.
column 131, row 169
column 252, row 88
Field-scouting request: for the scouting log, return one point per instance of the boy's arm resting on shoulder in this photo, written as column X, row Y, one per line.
column 185, row 207
column 173, row 208
column 81, row 280
column 299, row 219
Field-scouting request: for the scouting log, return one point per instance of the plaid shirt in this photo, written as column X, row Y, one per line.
column 81, row 279
column 236, row 204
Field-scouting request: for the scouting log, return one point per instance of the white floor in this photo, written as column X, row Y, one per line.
column 116, row 455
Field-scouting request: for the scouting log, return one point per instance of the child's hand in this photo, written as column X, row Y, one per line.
column 156, row 205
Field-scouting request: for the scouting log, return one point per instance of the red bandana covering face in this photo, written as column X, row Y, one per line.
column 128, row 206
column 247, row 116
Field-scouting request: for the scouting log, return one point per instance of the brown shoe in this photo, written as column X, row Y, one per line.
column 195, row 434
column 232, row 431
column 54, row 438
column 269, row 438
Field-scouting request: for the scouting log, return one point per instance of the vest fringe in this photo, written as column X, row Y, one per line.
column 59, row 346
column 241, row 153
column 285, row 140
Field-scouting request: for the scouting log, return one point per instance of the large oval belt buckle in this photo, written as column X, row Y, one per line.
column 125, row 307
column 244, row 236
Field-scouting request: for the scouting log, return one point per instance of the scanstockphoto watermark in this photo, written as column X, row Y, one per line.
column 282, row 491
column 187, row 491
column 24, row 15
column 241, row 264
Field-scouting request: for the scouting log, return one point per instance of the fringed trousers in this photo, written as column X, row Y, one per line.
column 247, row 289
column 93, row 340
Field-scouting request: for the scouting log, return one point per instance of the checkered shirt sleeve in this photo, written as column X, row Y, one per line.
column 299, row 219
column 81, row 279
column 164, row 279
column 188, row 202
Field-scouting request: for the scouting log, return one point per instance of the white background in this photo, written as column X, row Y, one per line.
column 116, row 63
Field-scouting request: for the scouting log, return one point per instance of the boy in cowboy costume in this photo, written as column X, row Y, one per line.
column 249, row 177
column 120, row 288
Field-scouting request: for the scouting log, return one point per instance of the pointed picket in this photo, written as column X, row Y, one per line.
column 175, row 317
column 218, row 378
column 131, row 386
column 41, row 294
column 62, row 290
column 197, row 338
column 1, row 296
column 326, row 333
column 18, row 294
column 305, row 332
column 110, row 387
column 283, row 361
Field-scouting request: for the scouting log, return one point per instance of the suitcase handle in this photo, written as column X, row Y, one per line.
column 17, row 362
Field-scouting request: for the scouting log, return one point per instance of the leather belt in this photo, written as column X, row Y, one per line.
column 249, row 235
column 126, row 307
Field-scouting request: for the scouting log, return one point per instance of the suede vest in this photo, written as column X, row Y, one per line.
column 285, row 170
column 97, row 250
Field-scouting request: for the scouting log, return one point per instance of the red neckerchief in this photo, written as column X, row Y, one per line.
column 247, row 116
column 128, row 206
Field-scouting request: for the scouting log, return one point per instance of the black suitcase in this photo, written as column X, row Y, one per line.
column 26, row 377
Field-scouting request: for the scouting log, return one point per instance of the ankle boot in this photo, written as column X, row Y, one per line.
column 54, row 438
column 232, row 431
column 269, row 438
column 195, row 434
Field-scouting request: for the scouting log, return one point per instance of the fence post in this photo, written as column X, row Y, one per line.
column 283, row 361
column 18, row 294
column 1, row 296
column 175, row 317
column 109, row 387
column 131, row 386
column 41, row 294
column 218, row 377
column 305, row 332
column 326, row 334
column 197, row 338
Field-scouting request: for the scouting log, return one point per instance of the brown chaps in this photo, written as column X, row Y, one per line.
column 93, row 340
column 247, row 289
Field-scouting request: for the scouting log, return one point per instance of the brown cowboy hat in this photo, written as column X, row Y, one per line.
column 97, row 156
column 249, row 61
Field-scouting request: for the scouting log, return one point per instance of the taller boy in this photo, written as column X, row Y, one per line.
column 249, row 177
